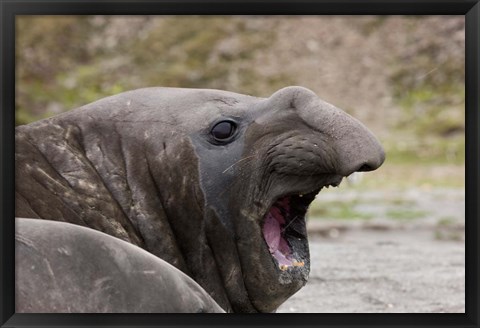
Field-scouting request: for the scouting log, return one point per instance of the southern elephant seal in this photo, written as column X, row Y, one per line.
column 213, row 182
column 62, row 267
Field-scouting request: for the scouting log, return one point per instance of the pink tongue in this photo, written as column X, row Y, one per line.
column 271, row 232
column 278, row 246
column 282, row 259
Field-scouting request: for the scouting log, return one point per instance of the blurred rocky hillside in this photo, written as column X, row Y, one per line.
column 402, row 76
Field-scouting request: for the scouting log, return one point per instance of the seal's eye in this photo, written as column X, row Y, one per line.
column 223, row 130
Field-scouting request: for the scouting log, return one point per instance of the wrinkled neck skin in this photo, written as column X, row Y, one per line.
column 135, row 176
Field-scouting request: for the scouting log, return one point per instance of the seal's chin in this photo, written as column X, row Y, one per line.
column 284, row 229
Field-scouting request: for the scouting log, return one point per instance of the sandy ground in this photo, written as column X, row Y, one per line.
column 382, row 266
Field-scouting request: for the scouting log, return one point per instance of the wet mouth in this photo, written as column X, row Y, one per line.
column 284, row 229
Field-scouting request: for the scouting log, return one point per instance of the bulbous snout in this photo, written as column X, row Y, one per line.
column 357, row 149
column 354, row 147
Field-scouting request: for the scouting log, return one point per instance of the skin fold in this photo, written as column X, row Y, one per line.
column 143, row 166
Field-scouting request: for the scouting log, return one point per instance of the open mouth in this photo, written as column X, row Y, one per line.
column 285, row 223
column 284, row 229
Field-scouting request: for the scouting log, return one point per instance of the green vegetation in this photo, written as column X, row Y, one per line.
column 337, row 210
column 397, row 209
column 448, row 229
column 66, row 62
column 428, row 84
column 446, row 221
column 427, row 150
column 405, row 214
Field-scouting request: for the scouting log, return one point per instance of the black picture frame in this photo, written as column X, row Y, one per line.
column 11, row 8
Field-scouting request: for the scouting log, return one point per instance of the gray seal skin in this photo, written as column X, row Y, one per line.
column 159, row 168
column 62, row 267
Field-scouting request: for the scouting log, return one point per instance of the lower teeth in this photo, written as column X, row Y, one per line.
column 295, row 263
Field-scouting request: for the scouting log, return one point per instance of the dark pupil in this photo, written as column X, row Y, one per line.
column 222, row 130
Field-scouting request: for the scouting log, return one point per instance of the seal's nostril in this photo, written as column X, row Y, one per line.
column 365, row 168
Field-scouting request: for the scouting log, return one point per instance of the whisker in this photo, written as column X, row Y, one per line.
column 240, row 160
column 289, row 223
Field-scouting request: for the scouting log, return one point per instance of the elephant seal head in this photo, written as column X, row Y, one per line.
column 216, row 183
column 261, row 164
